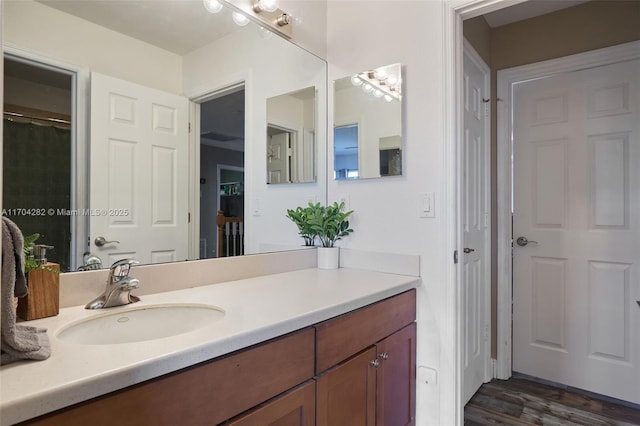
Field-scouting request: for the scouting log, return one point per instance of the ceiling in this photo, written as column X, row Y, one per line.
column 179, row 26
column 525, row 10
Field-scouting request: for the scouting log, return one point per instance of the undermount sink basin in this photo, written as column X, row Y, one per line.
column 141, row 324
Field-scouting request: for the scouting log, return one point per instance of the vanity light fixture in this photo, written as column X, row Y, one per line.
column 383, row 82
column 262, row 5
column 212, row 6
column 265, row 13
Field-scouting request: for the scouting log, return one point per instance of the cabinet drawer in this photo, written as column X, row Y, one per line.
column 206, row 394
column 296, row 408
column 341, row 337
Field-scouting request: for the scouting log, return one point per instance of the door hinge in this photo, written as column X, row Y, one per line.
column 189, row 127
column 455, row 257
column 189, row 217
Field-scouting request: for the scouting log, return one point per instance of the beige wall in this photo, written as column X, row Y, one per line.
column 588, row 26
column 478, row 33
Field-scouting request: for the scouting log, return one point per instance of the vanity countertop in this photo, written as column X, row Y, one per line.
column 257, row 309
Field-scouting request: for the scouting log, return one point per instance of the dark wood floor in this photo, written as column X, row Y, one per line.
column 520, row 401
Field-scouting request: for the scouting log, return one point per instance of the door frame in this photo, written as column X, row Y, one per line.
column 506, row 80
column 213, row 91
column 80, row 145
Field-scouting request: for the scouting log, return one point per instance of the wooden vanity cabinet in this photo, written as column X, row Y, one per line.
column 295, row 408
column 375, row 387
column 355, row 369
column 205, row 394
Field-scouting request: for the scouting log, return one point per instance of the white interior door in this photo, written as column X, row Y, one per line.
column 475, row 223
column 279, row 155
column 577, row 195
column 138, row 172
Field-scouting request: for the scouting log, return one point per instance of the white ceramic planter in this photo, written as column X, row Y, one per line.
column 328, row 257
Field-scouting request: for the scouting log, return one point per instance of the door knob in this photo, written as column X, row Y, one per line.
column 374, row 362
column 384, row 355
column 522, row 241
column 101, row 241
column 468, row 250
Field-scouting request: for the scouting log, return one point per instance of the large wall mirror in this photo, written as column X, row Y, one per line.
column 84, row 79
column 367, row 132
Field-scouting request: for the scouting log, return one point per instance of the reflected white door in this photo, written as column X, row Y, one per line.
column 138, row 171
column 279, row 157
column 475, row 223
column 577, row 195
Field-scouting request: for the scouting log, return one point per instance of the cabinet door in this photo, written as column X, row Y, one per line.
column 396, row 384
column 295, row 408
column 346, row 395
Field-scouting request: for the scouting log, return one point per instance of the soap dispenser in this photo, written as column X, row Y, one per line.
column 43, row 298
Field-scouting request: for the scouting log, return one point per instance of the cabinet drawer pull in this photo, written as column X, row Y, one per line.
column 384, row 355
column 375, row 363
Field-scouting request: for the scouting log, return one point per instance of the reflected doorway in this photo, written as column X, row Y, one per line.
column 222, row 146
column 38, row 161
column 346, row 141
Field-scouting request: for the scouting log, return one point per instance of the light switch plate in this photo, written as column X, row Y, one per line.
column 427, row 204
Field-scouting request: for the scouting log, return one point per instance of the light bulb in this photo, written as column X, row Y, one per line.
column 380, row 74
column 378, row 93
column 355, row 80
column 240, row 19
column 392, row 80
column 367, row 88
column 212, row 6
column 388, row 98
column 269, row 5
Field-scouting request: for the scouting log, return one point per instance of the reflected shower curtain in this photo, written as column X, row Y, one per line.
column 36, row 179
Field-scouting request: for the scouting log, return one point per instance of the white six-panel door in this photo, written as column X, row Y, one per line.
column 577, row 195
column 138, row 172
column 475, row 223
column 278, row 158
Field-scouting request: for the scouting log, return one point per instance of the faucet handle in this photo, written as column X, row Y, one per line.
column 128, row 283
column 120, row 269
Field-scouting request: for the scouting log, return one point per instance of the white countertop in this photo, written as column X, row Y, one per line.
column 257, row 309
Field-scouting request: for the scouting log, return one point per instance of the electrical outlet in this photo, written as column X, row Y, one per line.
column 427, row 375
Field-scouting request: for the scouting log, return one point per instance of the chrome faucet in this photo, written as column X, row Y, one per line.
column 119, row 286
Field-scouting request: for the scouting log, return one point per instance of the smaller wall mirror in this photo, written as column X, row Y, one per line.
column 291, row 145
column 367, row 135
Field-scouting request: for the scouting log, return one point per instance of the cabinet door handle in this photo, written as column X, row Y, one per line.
column 375, row 362
column 384, row 355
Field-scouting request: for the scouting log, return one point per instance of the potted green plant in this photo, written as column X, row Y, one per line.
column 330, row 224
column 300, row 216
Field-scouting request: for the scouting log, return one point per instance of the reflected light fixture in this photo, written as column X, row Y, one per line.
column 212, row 6
column 240, row 19
column 383, row 82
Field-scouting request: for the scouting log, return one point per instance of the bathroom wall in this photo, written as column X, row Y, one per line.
column 258, row 60
column 365, row 35
column 34, row 26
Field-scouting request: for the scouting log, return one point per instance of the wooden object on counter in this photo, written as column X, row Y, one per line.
column 43, row 299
